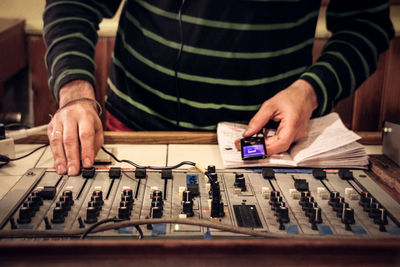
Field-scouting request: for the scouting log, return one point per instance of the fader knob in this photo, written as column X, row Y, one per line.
column 240, row 181
column 310, row 208
column 24, row 215
column 58, row 215
column 91, row 215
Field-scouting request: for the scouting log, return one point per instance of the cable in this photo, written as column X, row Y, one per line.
column 30, row 153
column 148, row 167
column 114, row 219
column 13, row 126
column 178, row 58
column 25, row 233
column 6, row 159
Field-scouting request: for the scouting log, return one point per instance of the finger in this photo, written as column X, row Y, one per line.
column 71, row 146
column 237, row 144
column 285, row 136
column 87, row 141
column 55, row 134
column 259, row 120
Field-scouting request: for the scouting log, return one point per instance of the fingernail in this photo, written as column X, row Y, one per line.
column 87, row 162
column 61, row 169
column 71, row 170
column 247, row 132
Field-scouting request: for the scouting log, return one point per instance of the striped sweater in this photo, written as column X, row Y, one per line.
column 218, row 61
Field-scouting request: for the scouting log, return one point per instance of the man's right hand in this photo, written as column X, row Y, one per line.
column 75, row 132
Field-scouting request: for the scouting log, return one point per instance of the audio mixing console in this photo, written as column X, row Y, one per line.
column 302, row 202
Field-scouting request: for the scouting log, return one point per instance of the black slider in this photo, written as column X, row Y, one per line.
column 80, row 221
column 211, row 169
column 12, row 223
column 114, row 173
column 47, row 223
column 240, row 181
column 88, row 172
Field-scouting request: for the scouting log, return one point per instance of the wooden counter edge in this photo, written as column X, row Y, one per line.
column 367, row 138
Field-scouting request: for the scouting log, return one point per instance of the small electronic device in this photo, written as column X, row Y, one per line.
column 253, row 148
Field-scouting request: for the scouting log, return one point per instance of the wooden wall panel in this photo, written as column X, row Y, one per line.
column 367, row 101
column 390, row 107
column 43, row 101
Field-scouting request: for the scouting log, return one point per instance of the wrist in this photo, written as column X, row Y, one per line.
column 308, row 92
column 76, row 89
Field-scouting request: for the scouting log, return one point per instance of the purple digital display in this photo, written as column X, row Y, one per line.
column 253, row 150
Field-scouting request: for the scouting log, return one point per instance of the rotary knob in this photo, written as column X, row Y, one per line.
column 273, row 197
column 64, row 206
column 315, row 217
column 58, row 215
column 157, row 193
column 348, row 218
column 277, row 206
column 283, row 215
column 156, row 212
column 24, row 215
column 98, row 200
column 306, row 201
column 99, row 194
column 96, row 205
column 381, row 217
column 277, row 203
column 337, row 202
column 127, row 192
column 91, row 215
column 310, row 208
column 342, row 207
column 332, row 196
column 303, row 197
column 124, row 212
column 364, row 198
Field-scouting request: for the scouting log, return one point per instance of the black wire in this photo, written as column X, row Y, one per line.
column 91, row 228
column 178, row 58
column 148, row 167
column 6, row 159
column 30, row 153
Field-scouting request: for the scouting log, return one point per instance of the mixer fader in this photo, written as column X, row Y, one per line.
column 336, row 203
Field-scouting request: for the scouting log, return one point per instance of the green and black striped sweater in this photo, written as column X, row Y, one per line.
column 235, row 55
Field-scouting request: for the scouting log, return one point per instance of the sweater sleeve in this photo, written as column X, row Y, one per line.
column 70, row 35
column 361, row 30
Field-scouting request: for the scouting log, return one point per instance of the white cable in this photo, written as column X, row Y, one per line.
column 26, row 132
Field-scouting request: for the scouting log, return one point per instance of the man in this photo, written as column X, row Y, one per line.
column 186, row 65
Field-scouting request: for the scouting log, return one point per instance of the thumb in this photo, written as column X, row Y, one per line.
column 259, row 120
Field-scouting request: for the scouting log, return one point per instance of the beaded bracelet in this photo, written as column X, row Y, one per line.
column 100, row 110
